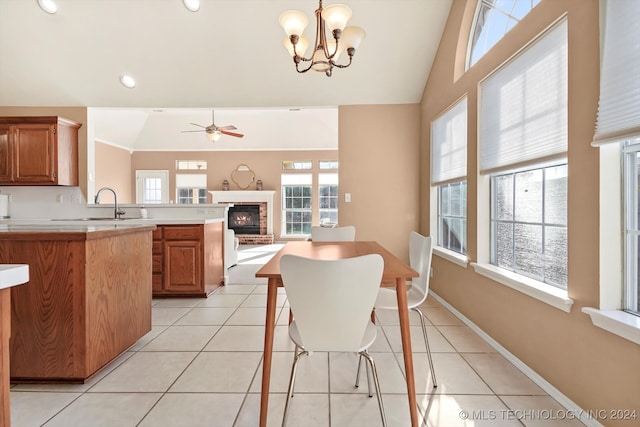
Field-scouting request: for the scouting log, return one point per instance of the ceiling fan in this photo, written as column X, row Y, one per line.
column 215, row 132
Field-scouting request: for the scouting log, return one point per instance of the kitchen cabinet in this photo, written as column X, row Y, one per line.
column 88, row 298
column 38, row 151
column 187, row 260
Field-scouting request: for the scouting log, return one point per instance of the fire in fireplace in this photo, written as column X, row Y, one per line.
column 245, row 219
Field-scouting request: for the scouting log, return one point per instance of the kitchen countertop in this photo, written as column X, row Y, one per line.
column 53, row 230
column 13, row 274
column 99, row 223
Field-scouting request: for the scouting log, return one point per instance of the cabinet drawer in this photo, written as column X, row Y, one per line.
column 156, row 263
column 182, row 233
column 156, row 248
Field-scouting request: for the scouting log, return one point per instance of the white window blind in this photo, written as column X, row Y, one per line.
column 449, row 144
column 296, row 178
column 619, row 106
column 191, row 180
column 523, row 105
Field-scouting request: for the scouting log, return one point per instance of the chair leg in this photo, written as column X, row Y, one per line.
column 377, row 385
column 292, row 380
column 366, row 367
column 295, row 356
column 358, row 372
column 426, row 343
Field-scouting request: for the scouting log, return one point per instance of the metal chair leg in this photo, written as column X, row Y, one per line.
column 358, row 372
column 366, row 367
column 295, row 355
column 426, row 343
column 292, row 380
column 377, row 385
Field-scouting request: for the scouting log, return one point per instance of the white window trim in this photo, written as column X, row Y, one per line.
column 610, row 316
column 454, row 257
column 551, row 295
column 548, row 294
column 451, row 256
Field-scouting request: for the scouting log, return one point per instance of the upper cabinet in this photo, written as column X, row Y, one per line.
column 38, row 151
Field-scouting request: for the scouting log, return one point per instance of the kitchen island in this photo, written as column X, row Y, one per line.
column 88, row 298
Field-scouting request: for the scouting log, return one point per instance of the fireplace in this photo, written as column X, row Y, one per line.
column 240, row 200
column 244, row 219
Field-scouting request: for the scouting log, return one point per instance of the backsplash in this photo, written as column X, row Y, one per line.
column 45, row 202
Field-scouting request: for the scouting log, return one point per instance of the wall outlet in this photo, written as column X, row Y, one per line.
column 431, row 272
column 347, row 197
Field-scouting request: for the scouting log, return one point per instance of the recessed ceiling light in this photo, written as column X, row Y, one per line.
column 192, row 5
column 48, row 6
column 127, row 81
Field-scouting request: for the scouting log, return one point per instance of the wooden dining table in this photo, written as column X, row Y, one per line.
column 395, row 273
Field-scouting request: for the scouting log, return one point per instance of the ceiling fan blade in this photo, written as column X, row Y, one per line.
column 195, row 124
column 237, row 135
column 230, row 127
column 184, row 131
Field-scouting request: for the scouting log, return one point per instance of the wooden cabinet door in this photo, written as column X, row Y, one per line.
column 35, row 149
column 182, row 266
column 6, row 154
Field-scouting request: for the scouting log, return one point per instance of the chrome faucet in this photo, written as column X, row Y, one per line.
column 117, row 212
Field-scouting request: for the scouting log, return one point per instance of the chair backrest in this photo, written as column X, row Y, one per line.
column 336, row 234
column 420, row 251
column 331, row 300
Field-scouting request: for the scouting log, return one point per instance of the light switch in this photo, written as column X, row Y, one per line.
column 347, row 197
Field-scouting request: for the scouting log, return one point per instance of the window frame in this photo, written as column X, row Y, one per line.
column 543, row 167
column 334, row 195
column 631, row 197
column 308, row 177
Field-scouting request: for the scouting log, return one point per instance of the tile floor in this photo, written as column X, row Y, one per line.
column 201, row 366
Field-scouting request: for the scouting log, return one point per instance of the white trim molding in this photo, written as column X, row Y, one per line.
column 618, row 322
column 551, row 295
column 545, row 385
column 451, row 256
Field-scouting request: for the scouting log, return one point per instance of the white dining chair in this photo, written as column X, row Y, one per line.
column 332, row 302
column 420, row 251
column 336, row 234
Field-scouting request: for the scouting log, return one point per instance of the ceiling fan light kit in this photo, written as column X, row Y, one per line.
column 325, row 52
column 214, row 133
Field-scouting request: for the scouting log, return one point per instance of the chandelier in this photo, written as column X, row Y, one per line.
column 325, row 52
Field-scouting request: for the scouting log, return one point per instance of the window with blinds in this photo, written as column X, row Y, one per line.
column 523, row 145
column 448, row 174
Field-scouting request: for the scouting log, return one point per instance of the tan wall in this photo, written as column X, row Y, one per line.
column 78, row 114
column 379, row 166
column 594, row 368
column 113, row 170
column 267, row 166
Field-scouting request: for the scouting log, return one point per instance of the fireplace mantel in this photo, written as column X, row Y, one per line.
column 265, row 196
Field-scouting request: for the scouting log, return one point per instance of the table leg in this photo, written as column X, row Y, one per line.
column 270, row 324
column 405, row 332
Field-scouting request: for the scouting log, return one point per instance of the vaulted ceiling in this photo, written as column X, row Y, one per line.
column 229, row 56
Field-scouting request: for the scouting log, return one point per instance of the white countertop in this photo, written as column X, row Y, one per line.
column 126, row 221
column 13, row 274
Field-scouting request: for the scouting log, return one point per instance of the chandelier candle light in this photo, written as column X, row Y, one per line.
column 325, row 52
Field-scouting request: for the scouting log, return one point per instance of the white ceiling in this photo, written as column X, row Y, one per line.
column 228, row 56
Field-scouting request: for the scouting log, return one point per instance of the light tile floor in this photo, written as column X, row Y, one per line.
column 201, row 366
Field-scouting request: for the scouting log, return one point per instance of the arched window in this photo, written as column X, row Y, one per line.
column 493, row 19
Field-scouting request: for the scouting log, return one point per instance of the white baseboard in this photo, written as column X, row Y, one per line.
column 530, row 373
